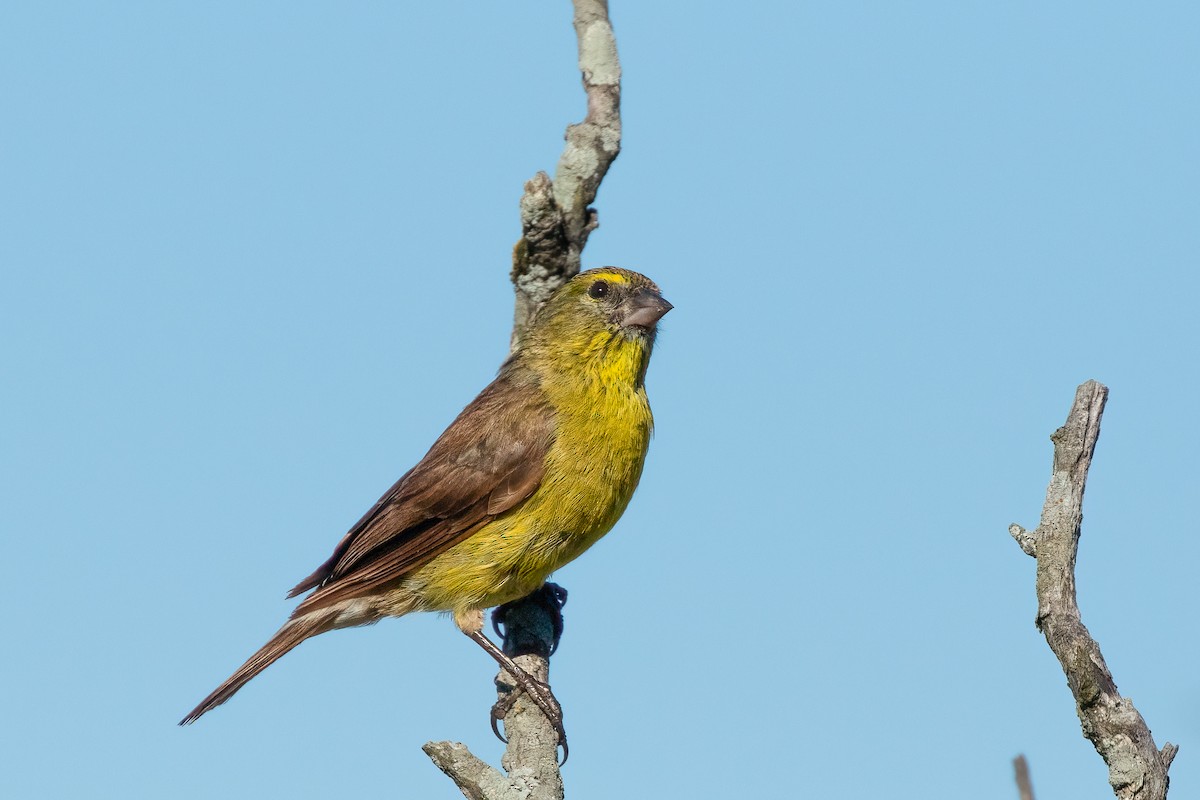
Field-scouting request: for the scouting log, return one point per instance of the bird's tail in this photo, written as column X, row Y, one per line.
column 290, row 635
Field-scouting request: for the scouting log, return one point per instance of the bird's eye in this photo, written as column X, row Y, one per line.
column 598, row 289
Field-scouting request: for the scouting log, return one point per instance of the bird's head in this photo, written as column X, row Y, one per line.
column 608, row 313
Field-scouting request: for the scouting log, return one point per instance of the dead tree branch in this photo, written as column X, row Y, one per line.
column 556, row 216
column 1137, row 770
column 556, row 220
column 1024, row 782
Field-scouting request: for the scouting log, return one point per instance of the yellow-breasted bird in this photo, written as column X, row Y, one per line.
column 532, row 473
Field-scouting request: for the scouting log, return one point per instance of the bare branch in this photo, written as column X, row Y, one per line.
column 556, row 216
column 1024, row 783
column 556, row 220
column 1136, row 768
column 476, row 779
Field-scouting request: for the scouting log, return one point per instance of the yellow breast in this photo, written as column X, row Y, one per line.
column 602, row 430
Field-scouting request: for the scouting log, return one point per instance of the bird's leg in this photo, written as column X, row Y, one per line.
column 539, row 692
column 533, row 626
column 548, row 599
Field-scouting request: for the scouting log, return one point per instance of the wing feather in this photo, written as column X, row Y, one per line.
column 488, row 461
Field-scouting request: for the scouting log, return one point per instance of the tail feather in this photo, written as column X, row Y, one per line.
column 290, row 635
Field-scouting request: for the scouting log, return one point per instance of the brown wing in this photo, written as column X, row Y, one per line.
column 489, row 460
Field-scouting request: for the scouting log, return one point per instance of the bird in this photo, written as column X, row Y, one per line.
column 535, row 470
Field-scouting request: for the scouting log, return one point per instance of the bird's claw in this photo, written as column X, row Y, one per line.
column 542, row 696
column 500, row 710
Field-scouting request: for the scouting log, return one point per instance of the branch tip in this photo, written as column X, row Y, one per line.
column 1167, row 754
column 1024, row 783
column 1026, row 539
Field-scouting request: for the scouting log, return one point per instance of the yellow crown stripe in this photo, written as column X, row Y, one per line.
column 611, row 277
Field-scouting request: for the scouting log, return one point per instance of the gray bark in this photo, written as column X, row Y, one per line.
column 556, row 216
column 1137, row 769
column 1024, row 783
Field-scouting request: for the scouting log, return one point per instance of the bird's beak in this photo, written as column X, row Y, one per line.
column 643, row 309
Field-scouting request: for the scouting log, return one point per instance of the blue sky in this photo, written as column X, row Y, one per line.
column 255, row 258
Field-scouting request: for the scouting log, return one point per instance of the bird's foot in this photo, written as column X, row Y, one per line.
column 539, row 692
column 531, row 626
